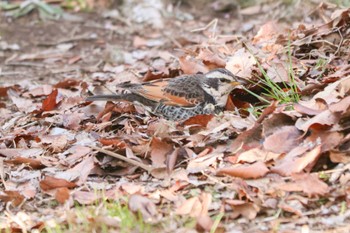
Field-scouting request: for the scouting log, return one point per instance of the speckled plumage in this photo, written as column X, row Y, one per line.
column 181, row 97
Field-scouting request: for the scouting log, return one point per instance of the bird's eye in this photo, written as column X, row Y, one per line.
column 224, row 80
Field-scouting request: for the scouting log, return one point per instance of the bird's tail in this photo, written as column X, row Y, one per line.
column 110, row 97
column 131, row 97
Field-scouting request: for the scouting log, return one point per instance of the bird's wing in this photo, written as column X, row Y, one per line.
column 184, row 91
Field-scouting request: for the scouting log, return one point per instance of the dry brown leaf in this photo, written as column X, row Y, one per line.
column 12, row 196
column 256, row 154
column 50, row 103
column 115, row 142
column 293, row 206
column 53, row 183
column 62, row 195
column 56, row 142
column 33, row 163
column 172, row 158
column 72, row 120
column 192, row 66
column 307, row 183
column 159, row 152
column 297, row 162
column 84, row 168
column 267, row 32
column 202, row 163
column 67, row 83
column 339, row 157
column 144, row 205
column 210, row 59
column 245, row 209
column 200, row 120
column 241, row 63
column 191, row 206
column 251, row 171
column 3, row 91
column 324, row 120
column 283, row 139
column 306, row 110
column 25, row 153
column 43, row 90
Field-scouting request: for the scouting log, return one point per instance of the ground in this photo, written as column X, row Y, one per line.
column 276, row 160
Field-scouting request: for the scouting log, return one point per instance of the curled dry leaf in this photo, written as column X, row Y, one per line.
column 172, row 158
column 251, row 171
column 324, row 120
column 211, row 59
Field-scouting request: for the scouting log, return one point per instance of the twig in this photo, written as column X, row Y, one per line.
column 125, row 159
column 2, row 173
column 322, row 172
column 72, row 39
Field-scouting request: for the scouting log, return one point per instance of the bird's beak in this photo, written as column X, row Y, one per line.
column 235, row 83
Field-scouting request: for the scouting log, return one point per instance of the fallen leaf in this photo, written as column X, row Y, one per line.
column 256, row 154
column 62, row 195
column 296, row 162
column 33, row 163
column 12, row 196
column 245, row 209
column 251, row 171
column 283, row 139
column 192, row 66
column 241, row 63
column 145, row 206
column 50, row 182
column 200, row 120
column 50, row 103
column 307, row 183
column 191, row 206
column 159, row 152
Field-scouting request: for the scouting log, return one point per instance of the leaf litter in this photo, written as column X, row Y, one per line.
column 286, row 166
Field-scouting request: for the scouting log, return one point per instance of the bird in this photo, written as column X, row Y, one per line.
column 181, row 97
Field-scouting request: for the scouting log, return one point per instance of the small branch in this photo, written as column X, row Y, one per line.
column 2, row 173
column 125, row 159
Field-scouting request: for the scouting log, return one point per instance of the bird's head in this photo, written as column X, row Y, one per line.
column 219, row 83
